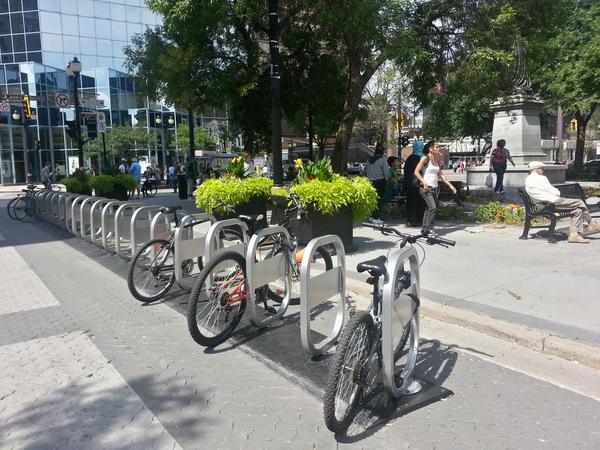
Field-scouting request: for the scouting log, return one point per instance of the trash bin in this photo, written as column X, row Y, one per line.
column 182, row 186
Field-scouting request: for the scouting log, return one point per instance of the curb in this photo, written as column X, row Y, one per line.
column 534, row 339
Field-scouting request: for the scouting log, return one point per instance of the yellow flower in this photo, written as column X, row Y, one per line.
column 299, row 164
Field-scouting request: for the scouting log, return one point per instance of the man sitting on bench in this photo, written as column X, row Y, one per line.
column 541, row 191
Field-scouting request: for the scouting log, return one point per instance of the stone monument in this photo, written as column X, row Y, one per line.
column 517, row 121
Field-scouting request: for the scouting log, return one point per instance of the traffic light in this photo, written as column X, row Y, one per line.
column 573, row 125
column 71, row 129
column 27, row 107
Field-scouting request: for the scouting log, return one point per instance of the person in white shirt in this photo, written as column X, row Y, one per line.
column 249, row 168
column 378, row 171
column 540, row 190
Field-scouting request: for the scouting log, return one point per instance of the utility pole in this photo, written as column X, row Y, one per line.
column 275, row 92
column 559, row 132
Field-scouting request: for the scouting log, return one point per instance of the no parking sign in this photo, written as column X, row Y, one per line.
column 62, row 100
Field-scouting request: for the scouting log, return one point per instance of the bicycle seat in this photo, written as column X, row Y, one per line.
column 376, row 267
column 31, row 186
column 251, row 220
column 169, row 209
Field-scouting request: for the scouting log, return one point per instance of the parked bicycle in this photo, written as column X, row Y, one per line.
column 21, row 207
column 218, row 300
column 148, row 187
column 353, row 366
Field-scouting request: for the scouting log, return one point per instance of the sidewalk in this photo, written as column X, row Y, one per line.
column 87, row 366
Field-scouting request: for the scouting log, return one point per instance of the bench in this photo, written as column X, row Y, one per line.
column 547, row 210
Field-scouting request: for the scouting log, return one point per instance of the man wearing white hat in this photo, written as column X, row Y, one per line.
column 541, row 191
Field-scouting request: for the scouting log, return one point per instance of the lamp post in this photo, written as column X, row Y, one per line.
column 554, row 152
column 17, row 117
column 159, row 123
column 73, row 70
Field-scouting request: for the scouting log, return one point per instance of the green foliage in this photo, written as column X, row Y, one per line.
column 112, row 171
column 315, row 170
column 231, row 191
column 497, row 212
column 203, row 140
column 235, row 168
column 329, row 197
column 453, row 213
column 78, row 182
column 102, row 184
column 121, row 141
column 127, row 181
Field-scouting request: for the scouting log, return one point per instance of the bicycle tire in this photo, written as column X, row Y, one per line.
column 20, row 208
column 152, row 190
column 29, row 209
column 138, row 261
column 343, row 369
column 278, row 297
column 10, row 208
column 234, row 266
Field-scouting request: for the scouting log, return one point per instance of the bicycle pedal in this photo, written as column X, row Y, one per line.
column 270, row 310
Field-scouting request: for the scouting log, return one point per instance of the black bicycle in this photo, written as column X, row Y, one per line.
column 218, row 299
column 352, row 367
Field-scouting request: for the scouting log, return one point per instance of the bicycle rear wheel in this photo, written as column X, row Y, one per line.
column 151, row 271
column 345, row 381
column 10, row 208
column 21, row 209
column 152, row 190
column 218, row 299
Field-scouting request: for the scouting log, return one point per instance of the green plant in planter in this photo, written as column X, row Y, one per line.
column 125, row 181
column 235, row 168
column 231, row 191
column 102, row 184
column 497, row 212
column 73, row 185
column 315, row 170
column 78, row 182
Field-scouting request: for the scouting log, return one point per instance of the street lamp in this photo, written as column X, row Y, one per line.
column 17, row 117
column 554, row 149
column 73, row 70
column 158, row 121
column 171, row 120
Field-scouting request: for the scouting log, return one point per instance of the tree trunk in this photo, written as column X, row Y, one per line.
column 582, row 121
column 311, row 134
column 344, row 132
column 274, row 33
column 191, row 125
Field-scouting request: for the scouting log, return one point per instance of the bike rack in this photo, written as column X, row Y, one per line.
column 123, row 228
column 186, row 245
column 140, row 227
column 108, row 224
column 39, row 202
column 95, row 236
column 76, row 215
column 317, row 289
column 160, row 227
column 259, row 273
column 54, row 199
column 213, row 237
column 85, row 212
column 67, row 201
column 398, row 310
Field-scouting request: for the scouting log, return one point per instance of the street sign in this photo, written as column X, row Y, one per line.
column 101, row 122
column 62, row 100
column 14, row 98
column 92, row 102
column 4, row 107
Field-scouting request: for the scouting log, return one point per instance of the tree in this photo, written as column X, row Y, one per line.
column 203, row 139
column 121, row 141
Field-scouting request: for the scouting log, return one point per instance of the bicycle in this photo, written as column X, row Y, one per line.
column 149, row 188
column 218, row 299
column 351, row 370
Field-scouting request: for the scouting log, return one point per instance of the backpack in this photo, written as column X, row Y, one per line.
column 498, row 157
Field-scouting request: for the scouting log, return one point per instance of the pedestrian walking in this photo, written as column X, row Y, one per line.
column 173, row 171
column 540, row 190
column 46, row 174
column 498, row 162
column 135, row 170
column 415, row 206
column 378, row 172
column 191, row 174
column 427, row 174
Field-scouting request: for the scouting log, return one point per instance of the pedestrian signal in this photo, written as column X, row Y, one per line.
column 573, row 125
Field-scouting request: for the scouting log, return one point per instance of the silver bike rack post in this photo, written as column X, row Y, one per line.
column 64, row 209
column 260, row 273
column 39, row 208
column 186, row 245
column 319, row 288
column 55, row 198
column 84, row 217
column 95, row 236
column 400, row 309
column 48, row 206
column 160, row 227
column 123, row 229
column 76, row 214
column 108, row 224
column 213, row 237
column 140, row 226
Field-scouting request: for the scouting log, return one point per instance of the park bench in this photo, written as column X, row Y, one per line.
column 547, row 210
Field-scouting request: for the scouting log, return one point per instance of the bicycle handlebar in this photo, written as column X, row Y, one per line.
column 429, row 239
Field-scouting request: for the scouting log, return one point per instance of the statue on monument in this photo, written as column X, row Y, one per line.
column 520, row 82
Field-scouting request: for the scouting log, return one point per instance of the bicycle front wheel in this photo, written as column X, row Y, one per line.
column 152, row 190
column 22, row 210
column 10, row 208
column 345, row 382
column 218, row 299
column 151, row 271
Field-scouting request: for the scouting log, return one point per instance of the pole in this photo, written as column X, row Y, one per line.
column 275, row 92
column 78, row 120
column 559, row 131
column 104, row 160
column 311, row 132
column 25, row 149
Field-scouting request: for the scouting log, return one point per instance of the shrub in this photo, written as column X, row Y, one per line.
column 126, row 181
column 453, row 213
column 497, row 212
column 235, row 168
column 102, row 184
column 73, row 185
column 320, row 170
column 231, row 191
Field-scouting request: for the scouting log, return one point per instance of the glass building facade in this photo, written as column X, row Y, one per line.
column 38, row 38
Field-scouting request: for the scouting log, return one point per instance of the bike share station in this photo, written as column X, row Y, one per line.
column 121, row 227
